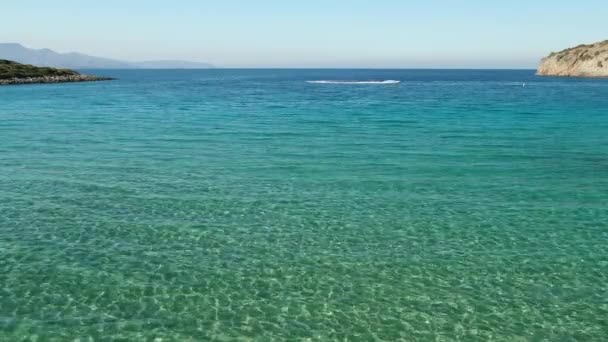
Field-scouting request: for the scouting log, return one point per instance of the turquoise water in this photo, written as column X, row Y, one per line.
column 250, row 205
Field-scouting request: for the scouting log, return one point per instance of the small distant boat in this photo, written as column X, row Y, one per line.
column 355, row 82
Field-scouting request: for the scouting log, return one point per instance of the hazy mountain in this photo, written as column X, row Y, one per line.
column 45, row 57
column 173, row 65
column 50, row 58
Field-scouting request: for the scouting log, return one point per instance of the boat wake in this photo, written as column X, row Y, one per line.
column 355, row 82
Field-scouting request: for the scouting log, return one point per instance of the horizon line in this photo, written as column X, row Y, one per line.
column 313, row 68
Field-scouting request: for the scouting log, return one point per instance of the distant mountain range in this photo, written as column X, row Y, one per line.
column 45, row 57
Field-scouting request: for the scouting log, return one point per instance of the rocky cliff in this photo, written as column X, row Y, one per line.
column 581, row 61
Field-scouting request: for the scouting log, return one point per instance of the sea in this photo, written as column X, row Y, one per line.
column 256, row 205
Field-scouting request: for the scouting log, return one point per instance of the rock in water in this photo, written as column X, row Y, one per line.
column 581, row 61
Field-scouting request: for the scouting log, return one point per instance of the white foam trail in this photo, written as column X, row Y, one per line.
column 355, row 82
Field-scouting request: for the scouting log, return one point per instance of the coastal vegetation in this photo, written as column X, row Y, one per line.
column 10, row 69
column 16, row 73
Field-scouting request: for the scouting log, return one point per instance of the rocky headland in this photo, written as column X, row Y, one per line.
column 15, row 73
column 590, row 60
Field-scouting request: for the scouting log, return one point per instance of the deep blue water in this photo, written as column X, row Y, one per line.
column 225, row 204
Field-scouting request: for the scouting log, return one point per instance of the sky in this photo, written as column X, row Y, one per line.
column 310, row 33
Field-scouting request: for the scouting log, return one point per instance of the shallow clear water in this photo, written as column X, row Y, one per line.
column 227, row 204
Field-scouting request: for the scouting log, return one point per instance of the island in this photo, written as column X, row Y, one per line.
column 16, row 73
column 586, row 60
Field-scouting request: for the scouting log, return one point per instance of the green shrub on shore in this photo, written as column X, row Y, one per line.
column 11, row 70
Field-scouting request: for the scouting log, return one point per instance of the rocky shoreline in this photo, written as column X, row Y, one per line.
column 589, row 60
column 53, row 79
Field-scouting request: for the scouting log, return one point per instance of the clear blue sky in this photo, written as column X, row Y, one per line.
column 310, row 33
